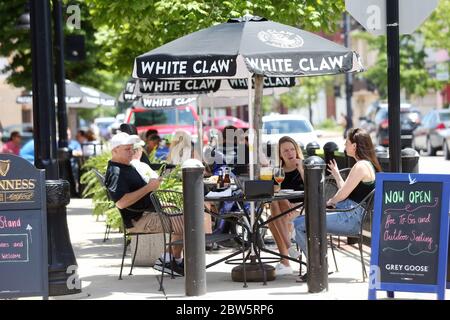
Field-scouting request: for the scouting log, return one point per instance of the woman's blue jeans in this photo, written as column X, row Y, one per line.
column 337, row 223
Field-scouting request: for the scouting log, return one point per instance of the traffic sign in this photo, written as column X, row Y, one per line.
column 371, row 14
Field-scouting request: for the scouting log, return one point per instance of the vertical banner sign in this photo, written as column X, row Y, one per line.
column 23, row 229
column 410, row 234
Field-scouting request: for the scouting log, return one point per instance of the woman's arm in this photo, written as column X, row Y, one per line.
column 356, row 175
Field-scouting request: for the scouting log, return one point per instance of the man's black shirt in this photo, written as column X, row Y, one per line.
column 121, row 179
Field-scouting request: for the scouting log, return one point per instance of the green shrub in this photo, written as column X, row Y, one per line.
column 329, row 124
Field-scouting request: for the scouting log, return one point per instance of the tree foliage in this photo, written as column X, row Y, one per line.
column 437, row 28
column 117, row 31
column 131, row 27
column 414, row 76
column 16, row 45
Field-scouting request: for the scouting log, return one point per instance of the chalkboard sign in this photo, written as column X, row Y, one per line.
column 410, row 233
column 23, row 229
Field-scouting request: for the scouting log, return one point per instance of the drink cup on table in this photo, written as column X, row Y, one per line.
column 266, row 173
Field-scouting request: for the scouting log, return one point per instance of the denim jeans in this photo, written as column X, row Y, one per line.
column 337, row 223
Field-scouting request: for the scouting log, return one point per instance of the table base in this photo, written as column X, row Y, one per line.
column 253, row 272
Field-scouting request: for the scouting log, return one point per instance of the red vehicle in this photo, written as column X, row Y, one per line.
column 223, row 121
column 166, row 120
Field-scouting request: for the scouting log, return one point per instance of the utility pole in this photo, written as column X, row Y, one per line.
column 393, row 55
column 348, row 76
column 61, row 257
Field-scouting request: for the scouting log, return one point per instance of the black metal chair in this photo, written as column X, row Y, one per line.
column 169, row 204
column 101, row 180
column 126, row 234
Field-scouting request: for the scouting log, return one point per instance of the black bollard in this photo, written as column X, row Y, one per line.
column 316, row 224
column 328, row 153
column 410, row 160
column 65, row 169
column 194, row 233
column 62, row 265
column 311, row 148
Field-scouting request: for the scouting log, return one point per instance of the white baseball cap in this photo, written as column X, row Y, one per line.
column 137, row 141
column 121, row 139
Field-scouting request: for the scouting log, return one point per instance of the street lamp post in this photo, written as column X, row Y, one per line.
column 60, row 252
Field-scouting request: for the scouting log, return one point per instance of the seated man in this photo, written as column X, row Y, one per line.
column 131, row 193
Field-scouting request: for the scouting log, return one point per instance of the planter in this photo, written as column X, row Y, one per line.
column 150, row 248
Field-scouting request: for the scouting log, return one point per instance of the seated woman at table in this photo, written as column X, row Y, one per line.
column 291, row 161
column 359, row 183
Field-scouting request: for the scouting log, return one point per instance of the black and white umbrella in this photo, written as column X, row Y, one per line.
column 205, row 89
column 77, row 96
column 245, row 46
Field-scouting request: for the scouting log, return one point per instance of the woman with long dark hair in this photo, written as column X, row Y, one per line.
column 359, row 183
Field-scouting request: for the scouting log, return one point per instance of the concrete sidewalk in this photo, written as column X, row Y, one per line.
column 99, row 266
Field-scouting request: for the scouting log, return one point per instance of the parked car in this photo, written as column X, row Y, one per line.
column 367, row 122
column 223, row 121
column 428, row 135
column 220, row 123
column 295, row 126
column 409, row 121
column 25, row 130
column 101, row 127
column 166, row 120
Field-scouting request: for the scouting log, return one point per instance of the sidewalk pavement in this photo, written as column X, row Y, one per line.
column 99, row 266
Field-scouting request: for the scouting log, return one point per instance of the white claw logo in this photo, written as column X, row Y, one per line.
column 281, row 39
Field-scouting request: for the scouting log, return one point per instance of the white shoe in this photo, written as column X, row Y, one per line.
column 282, row 270
column 293, row 252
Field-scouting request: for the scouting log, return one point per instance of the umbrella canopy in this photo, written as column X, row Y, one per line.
column 246, row 46
column 206, row 89
column 77, row 96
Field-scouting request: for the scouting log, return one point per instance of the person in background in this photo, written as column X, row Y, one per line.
column 81, row 137
column 92, row 147
column 359, row 183
column 27, row 151
column 291, row 161
column 128, row 128
column 13, row 145
column 154, row 145
column 73, row 145
column 76, row 152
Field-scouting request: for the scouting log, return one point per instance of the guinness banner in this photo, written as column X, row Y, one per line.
column 23, row 229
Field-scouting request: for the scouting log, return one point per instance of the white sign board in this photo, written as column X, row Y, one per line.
column 371, row 14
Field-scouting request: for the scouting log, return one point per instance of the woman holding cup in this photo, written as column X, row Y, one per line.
column 291, row 164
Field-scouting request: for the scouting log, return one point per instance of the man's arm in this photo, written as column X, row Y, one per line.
column 130, row 198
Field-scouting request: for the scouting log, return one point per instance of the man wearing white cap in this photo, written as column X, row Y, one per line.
column 127, row 188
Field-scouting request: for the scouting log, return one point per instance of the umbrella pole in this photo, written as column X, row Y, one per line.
column 251, row 138
column 200, row 128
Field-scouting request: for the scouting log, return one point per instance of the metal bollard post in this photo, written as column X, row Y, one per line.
column 410, row 160
column 316, row 224
column 194, row 233
column 311, row 148
column 328, row 153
